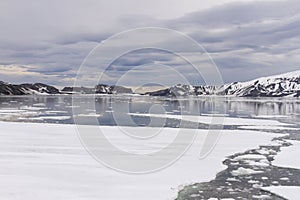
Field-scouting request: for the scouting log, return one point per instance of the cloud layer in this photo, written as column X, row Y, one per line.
column 246, row 39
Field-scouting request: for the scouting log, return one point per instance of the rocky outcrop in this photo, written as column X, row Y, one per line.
column 27, row 89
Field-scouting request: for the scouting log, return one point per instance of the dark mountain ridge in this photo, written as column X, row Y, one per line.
column 273, row 86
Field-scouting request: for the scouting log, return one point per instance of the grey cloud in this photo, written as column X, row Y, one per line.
column 241, row 37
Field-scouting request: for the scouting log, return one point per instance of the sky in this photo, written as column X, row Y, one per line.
column 47, row 41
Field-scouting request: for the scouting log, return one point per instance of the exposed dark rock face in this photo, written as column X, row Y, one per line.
column 106, row 89
column 99, row 89
column 42, row 88
column 81, row 90
column 120, row 90
column 27, row 89
column 103, row 89
column 165, row 92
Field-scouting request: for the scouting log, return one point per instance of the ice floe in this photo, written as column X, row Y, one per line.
column 244, row 171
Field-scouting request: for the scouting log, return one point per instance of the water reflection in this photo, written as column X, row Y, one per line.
column 58, row 109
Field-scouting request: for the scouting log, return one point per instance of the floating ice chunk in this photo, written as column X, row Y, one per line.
column 55, row 112
column 232, row 179
column 244, row 171
column 250, row 156
column 8, row 111
column 253, row 182
column 33, row 108
column 262, row 163
column 51, row 118
column 284, row 179
column 253, row 160
column 263, row 196
column 227, row 199
column 194, row 195
column 266, row 151
column 89, row 115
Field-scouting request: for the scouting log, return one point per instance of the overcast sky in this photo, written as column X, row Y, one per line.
column 47, row 41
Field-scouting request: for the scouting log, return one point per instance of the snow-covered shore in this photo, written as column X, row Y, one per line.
column 47, row 161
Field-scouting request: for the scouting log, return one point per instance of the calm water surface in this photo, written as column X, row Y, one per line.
column 59, row 109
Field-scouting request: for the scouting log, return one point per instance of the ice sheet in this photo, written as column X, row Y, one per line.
column 289, row 156
column 288, row 192
column 47, row 161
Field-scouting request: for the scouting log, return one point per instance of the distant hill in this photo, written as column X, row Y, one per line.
column 27, row 89
column 99, row 89
column 273, row 86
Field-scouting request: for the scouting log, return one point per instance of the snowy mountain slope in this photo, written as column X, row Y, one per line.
column 106, row 89
column 27, row 89
column 99, row 89
column 273, row 86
